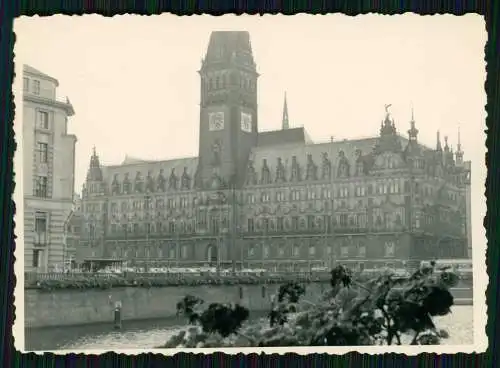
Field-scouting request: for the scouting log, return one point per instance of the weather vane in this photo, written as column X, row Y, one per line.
column 387, row 108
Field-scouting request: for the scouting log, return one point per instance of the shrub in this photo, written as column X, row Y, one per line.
column 381, row 310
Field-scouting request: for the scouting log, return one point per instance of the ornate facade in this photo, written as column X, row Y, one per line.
column 275, row 199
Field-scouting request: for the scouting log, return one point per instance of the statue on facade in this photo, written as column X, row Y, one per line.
column 185, row 180
column 149, row 182
column 172, row 181
column 160, row 181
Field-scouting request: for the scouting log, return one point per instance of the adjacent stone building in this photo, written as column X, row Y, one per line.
column 48, row 170
column 276, row 199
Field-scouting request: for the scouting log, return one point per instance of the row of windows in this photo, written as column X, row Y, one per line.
column 294, row 223
column 147, row 252
column 226, row 80
column 345, row 250
column 311, row 194
column 174, row 250
column 33, row 83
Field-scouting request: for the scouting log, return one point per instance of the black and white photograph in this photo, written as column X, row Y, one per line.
column 250, row 183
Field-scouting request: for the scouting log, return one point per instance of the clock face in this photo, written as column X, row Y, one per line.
column 216, row 120
column 246, row 122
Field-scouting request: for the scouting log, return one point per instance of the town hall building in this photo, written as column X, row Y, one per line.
column 277, row 200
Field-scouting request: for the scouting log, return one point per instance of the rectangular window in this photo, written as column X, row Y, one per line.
column 43, row 152
column 265, row 197
column 344, row 251
column 328, row 222
column 250, row 225
column 343, row 219
column 280, row 196
column 280, row 223
column 41, row 187
column 26, row 84
column 362, row 250
column 36, row 258
column 389, row 249
column 295, row 223
column 265, row 224
column 215, row 225
column 36, row 87
column 40, row 228
column 43, row 120
column 310, row 222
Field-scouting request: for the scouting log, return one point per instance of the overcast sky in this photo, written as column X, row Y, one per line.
column 134, row 85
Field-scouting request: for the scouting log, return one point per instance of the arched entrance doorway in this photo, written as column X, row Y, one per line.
column 212, row 254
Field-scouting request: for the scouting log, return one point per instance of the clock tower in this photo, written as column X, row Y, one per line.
column 228, row 110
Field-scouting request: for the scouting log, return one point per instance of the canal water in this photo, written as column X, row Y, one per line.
column 153, row 333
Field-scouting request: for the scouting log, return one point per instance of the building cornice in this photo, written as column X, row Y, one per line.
column 66, row 106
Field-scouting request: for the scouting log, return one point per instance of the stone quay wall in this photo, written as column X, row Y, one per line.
column 81, row 307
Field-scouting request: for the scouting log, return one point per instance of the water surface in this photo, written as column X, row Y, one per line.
column 149, row 334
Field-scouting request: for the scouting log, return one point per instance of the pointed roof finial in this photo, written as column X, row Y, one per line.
column 438, row 144
column 94, row 151
column 413, row 132
column 284, row 122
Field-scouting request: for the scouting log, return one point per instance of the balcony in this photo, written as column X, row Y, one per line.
column 43, row 99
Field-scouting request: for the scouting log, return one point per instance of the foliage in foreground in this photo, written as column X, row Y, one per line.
column 385, row 310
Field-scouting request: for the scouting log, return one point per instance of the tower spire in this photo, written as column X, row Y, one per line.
column 284, row 122
column 438, row 143
column 459, row 154
column 459, row 145
column 413, row 132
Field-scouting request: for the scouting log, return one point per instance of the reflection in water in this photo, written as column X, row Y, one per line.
column 154, row 333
